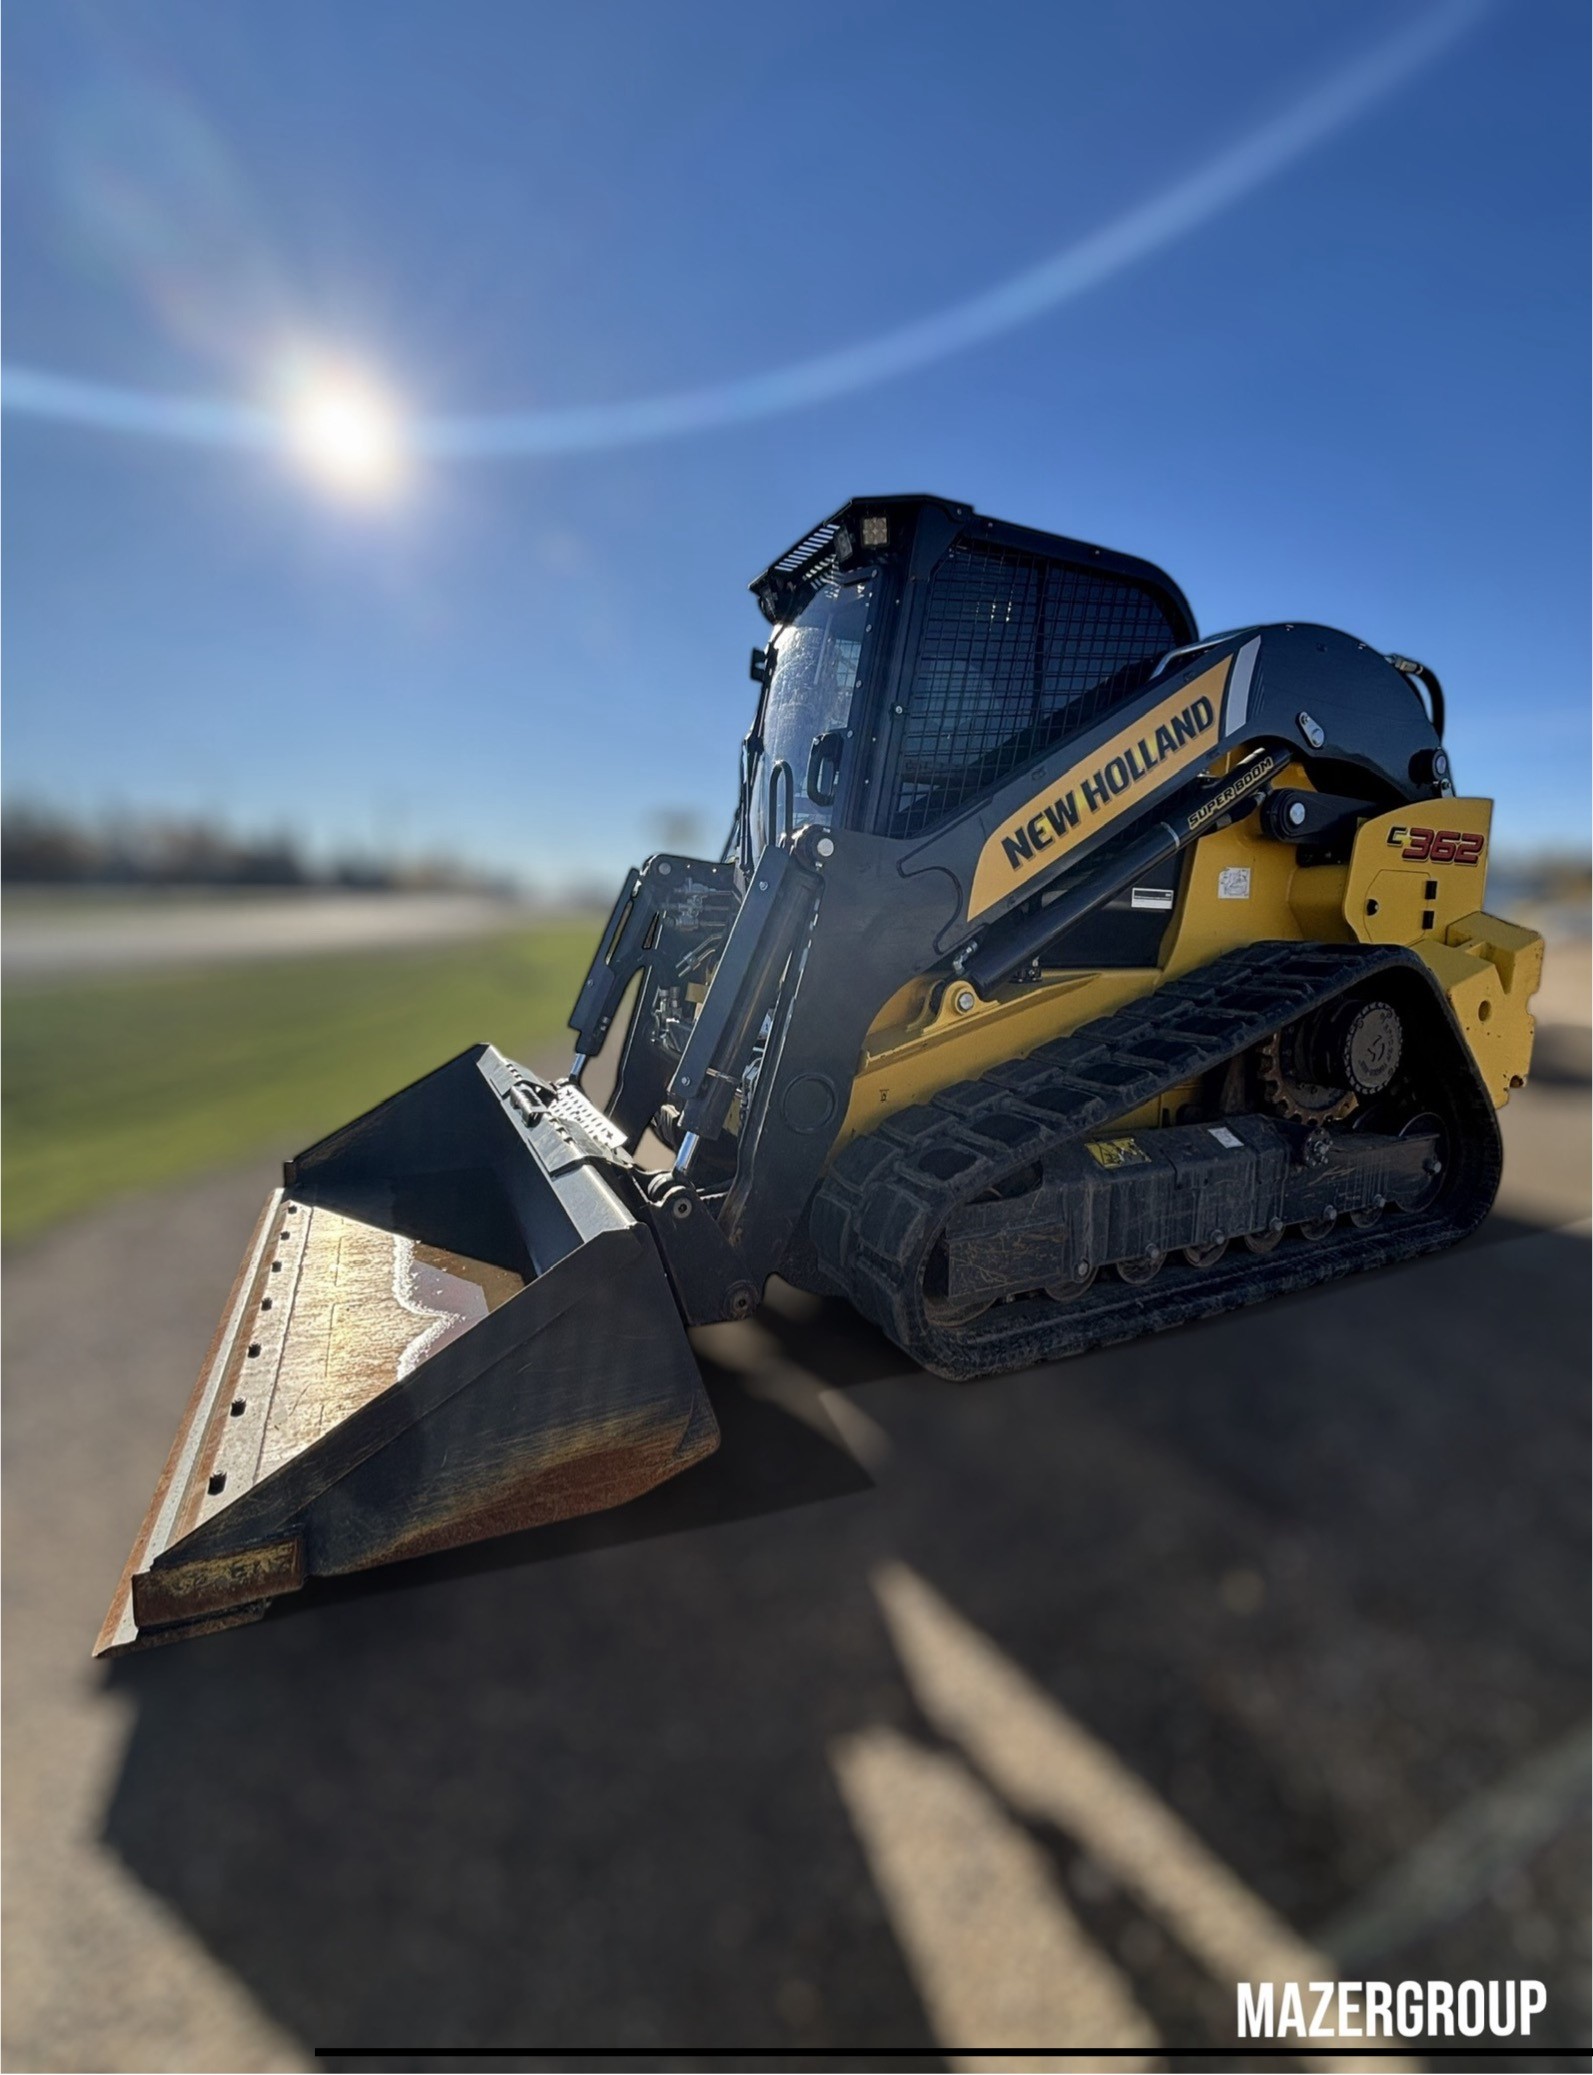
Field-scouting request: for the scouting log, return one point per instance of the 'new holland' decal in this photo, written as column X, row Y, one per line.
column 1110, row 781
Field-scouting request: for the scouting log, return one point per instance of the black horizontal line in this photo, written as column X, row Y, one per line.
column 1275, row 2049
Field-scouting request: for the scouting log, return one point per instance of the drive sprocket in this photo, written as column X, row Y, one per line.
column 1289, row 1093
column 1317, row 1069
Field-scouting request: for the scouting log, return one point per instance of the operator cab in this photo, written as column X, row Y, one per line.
column 921, row 654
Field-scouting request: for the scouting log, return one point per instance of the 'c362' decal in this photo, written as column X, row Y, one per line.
column 1181, row 731
column 1436, row 846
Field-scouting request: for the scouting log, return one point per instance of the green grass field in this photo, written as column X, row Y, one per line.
column 123, row 1081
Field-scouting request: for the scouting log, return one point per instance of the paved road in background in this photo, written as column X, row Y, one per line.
column 921, row 1717
column 49, row 940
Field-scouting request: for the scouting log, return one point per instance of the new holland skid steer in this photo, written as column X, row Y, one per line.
column 1065, row 977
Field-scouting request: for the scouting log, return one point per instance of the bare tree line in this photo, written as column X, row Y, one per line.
column 45, row 846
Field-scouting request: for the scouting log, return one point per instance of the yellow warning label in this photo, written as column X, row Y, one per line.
column 1117, row 1152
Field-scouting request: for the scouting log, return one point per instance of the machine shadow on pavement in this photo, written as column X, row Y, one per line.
column 1316, row 1575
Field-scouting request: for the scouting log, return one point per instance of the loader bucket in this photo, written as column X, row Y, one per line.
column 448, row 1326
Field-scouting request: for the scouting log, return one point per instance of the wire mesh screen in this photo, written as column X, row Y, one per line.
column 1015, row 654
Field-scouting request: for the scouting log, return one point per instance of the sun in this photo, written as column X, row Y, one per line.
column 344, row 429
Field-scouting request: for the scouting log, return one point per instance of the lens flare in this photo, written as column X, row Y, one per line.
column 347, row 432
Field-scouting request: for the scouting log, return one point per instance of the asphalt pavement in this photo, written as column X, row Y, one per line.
column 922, row 1718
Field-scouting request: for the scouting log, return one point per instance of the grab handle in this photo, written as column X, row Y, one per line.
column 778, row 770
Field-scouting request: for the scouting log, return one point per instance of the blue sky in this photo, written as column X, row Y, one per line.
column 1357, row 393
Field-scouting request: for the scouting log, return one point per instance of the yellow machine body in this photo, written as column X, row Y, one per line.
column 1415, row 877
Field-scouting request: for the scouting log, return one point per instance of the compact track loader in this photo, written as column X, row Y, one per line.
column 1065, row 977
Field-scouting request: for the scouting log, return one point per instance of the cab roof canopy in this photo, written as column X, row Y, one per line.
column 867, row 530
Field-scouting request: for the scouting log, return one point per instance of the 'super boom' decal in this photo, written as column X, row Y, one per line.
column 1109, row 781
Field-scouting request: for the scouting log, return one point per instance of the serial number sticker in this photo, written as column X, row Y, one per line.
column 1117, row 1152
column 1157, row 898
column 1224, row 1136
column 1233, row 883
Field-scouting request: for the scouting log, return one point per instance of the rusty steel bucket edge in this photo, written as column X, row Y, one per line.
column 447, row 1326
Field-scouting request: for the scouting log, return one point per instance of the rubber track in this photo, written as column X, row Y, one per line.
column 878, row 1211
